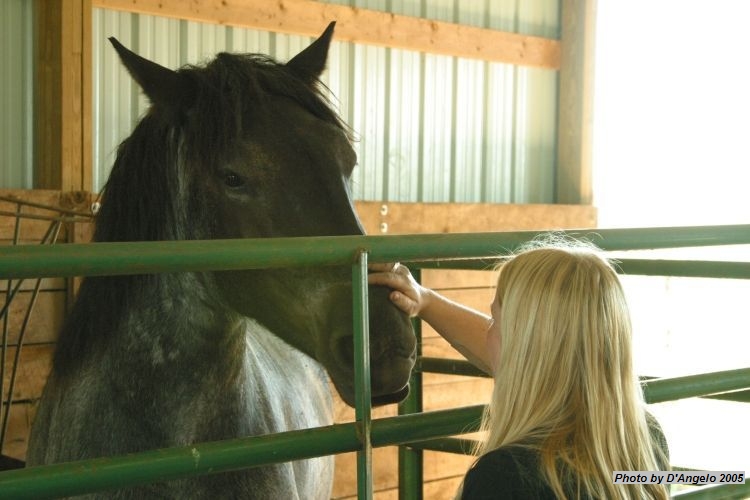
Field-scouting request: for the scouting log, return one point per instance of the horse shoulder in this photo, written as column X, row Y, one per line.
column 294, row 392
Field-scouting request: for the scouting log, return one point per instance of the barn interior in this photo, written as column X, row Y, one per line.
column 468, row 117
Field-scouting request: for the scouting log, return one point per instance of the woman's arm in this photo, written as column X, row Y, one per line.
column 464, row 328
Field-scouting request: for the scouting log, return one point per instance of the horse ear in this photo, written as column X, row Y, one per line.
column 170, row 90
column 311, row 62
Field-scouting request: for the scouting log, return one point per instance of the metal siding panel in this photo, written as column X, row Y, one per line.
column 369, row 114
column 428, row 127
column 440, row 10
column 16, row 95
column 288, row 46
column 437, row 132
column 500, row 131
column 469, row 131
column 114, row 93
column 468, row 166
column 154, row 40
column 502, row 15
column 541, row 136
column 520, row 138
column 368, row 121
column 203, row 41
column 471, row 12
column 539, row 18
column 534, row 143
column 501, row 109
column 249, row 41
column 404, row 125
column 338, row 78
column 438, row 107
column 537, row 106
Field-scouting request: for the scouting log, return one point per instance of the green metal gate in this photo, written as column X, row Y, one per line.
column 411, row 428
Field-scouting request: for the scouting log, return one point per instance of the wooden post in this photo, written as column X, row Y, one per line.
column 574, row 149
column 63, row 95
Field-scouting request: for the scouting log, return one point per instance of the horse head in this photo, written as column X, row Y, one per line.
column 250, row 148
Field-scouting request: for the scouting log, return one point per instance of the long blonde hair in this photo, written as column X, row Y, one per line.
column 564, row 381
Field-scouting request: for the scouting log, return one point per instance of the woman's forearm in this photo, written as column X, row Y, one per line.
column 465, row 329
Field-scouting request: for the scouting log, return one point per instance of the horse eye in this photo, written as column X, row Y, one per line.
column 233, row 180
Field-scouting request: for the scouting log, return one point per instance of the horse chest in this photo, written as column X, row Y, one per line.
column 285, row 389
column 276, row 389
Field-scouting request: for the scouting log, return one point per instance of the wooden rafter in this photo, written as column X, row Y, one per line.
column 306, row 17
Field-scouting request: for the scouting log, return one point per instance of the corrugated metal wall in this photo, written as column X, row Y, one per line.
column 16, row 94
column 429, row 127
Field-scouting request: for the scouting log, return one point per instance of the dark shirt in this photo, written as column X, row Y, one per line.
column 510, row 472
column 514, row 472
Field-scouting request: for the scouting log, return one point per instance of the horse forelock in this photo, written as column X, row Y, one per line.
column 232, row 95
column 154, row 190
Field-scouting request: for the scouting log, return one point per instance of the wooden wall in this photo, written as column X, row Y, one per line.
column 474, row 288
column 49, row 308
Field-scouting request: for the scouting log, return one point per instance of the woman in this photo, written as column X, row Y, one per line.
column 567, row 409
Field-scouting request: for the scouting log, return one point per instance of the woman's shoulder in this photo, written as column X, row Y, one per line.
column 509, row 472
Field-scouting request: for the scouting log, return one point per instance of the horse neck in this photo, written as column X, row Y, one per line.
column 231, row 368
column 148, row 318
column 180, row 314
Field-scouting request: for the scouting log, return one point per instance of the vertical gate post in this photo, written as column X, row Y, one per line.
column 362, row 394
column 410, row 465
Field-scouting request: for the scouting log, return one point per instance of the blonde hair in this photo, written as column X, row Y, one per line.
column 564, row 381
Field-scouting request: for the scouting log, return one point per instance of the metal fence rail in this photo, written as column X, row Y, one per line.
column 214, row 457
column 87, row 476
column 92, row 259
column 364, row 433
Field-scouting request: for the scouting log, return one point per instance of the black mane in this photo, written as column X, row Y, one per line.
column 145, row 179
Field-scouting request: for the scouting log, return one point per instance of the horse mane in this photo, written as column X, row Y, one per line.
column 146, row 176
column 150, row 194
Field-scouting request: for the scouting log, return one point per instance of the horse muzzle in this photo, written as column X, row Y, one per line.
column 392, row 351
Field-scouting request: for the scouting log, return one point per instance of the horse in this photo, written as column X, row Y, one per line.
column 240, row 147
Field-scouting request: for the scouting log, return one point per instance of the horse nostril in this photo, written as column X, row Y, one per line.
column 391, row 345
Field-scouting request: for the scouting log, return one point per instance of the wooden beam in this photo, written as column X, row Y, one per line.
column 87, row 100
column 576, row 96
column 416, row 218
column 63, row 95
column 306, row 17
column 48, row 95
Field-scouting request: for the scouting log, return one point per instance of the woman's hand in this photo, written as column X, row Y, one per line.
column 407, row 294
column 464, row 328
